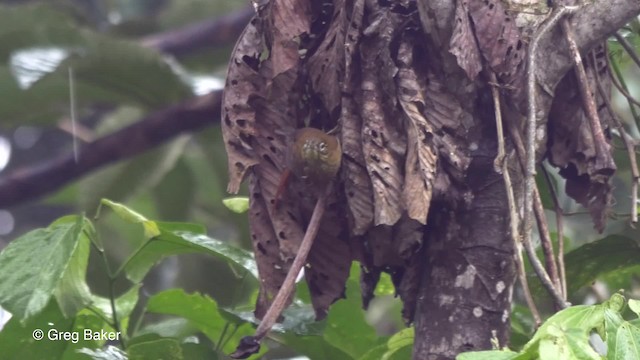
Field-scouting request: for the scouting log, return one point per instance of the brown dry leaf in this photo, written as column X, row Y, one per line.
column 498, row 39
column 357, row 184
column 271, row 268
column 463, row 42
column 239, row 121
column 421, row 155
column 289, row 21
column 572, row 146
column 383, row 143
column 329, row 260
column 408, row 286
column 326, row 65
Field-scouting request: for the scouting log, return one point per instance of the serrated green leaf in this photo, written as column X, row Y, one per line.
column 238, row 204
column 583, row 317
column 33, row 264
column 623, row 338
column 627, row 342
column 162, row 349
column 178, row 238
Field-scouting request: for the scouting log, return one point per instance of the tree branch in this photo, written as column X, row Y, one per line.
column 31, row 182
column 592, row 24
column 207, row 34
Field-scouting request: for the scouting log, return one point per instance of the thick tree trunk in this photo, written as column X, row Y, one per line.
column 465, row 295
column 467, row 280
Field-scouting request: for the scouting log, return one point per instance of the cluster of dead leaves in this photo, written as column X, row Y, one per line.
column 374, row 70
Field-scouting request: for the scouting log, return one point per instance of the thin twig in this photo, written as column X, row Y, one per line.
column 112, row 301
column 628, row 47
column 538, row 209
column 501, row 164
column 559, row 232
column 622, row 89
column 251, row 344
column 588, row 101
column 531, row 153
column 628, row 143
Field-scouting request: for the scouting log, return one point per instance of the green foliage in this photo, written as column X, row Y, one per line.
column 104, row 68
column 601, row 257
column 238, row 204
column 57, row 300
column 565, row 335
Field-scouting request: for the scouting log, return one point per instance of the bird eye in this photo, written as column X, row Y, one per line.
column 323, row 146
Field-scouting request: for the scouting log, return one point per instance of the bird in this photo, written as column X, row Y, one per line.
column 314, row 157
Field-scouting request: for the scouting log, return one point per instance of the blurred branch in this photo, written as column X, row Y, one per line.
column 33, row 181
column 207, row 34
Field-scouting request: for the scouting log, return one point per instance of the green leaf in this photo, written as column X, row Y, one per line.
column 569, row 344
column 178, row 328
column 398, row 342
column 150, row 227
column 588, row 262
column 106, row 69
column 194, row 351
column 162, row 349
column 314, row 347
column 239, row 204
column 634, row 305
column 346, row 318
column 87, row 321
column 623, row 338
column 202, row 312
column 125, row 304
column 488, row 355
column 108, row 353
column 583, row 317
column 375, row 353
column 33, row 265
column 17, row 342
column 177, row 238
column 385, row 286
column 72, row 293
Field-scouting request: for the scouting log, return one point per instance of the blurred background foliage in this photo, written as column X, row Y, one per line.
column 104, row 48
